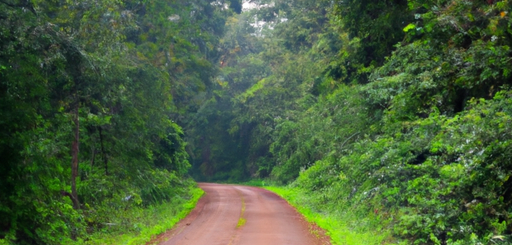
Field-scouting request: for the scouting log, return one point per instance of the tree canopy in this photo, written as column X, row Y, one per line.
column 91, row 97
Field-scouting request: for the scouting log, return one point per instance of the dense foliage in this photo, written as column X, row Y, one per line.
column 393, row 109
column 91, row 94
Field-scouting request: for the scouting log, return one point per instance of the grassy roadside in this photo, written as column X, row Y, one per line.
column 149, row 222
column 344, row 227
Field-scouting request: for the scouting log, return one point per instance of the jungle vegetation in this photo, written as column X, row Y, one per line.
column 393, row 110
column 92, row 96
column 398, row 111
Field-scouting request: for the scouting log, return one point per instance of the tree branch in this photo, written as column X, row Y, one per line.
column 73, row 199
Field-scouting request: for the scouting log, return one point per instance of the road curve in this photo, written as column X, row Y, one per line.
column 268, row 220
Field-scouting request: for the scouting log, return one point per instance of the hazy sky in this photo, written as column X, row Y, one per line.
column 248, row 5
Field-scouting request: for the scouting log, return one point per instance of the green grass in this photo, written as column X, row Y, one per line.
column 255, row 182
column 345, row 227
column 148, row 223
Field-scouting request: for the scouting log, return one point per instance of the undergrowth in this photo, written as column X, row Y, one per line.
column 141, row 225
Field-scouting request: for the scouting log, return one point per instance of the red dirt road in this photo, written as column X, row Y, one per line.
column 270, row 220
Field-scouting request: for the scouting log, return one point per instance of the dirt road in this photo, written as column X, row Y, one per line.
column 242, row 215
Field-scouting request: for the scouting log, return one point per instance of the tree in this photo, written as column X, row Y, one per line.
column 72, row 88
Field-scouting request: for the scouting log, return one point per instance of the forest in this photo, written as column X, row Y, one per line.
column 392, row 115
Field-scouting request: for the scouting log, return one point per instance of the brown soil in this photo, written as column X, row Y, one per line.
column 268, row 220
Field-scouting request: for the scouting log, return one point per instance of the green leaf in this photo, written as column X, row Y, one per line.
column 409, row 27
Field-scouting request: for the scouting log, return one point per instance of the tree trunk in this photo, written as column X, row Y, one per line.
column 105, row 160
column 93, row 153
column 74, row 161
